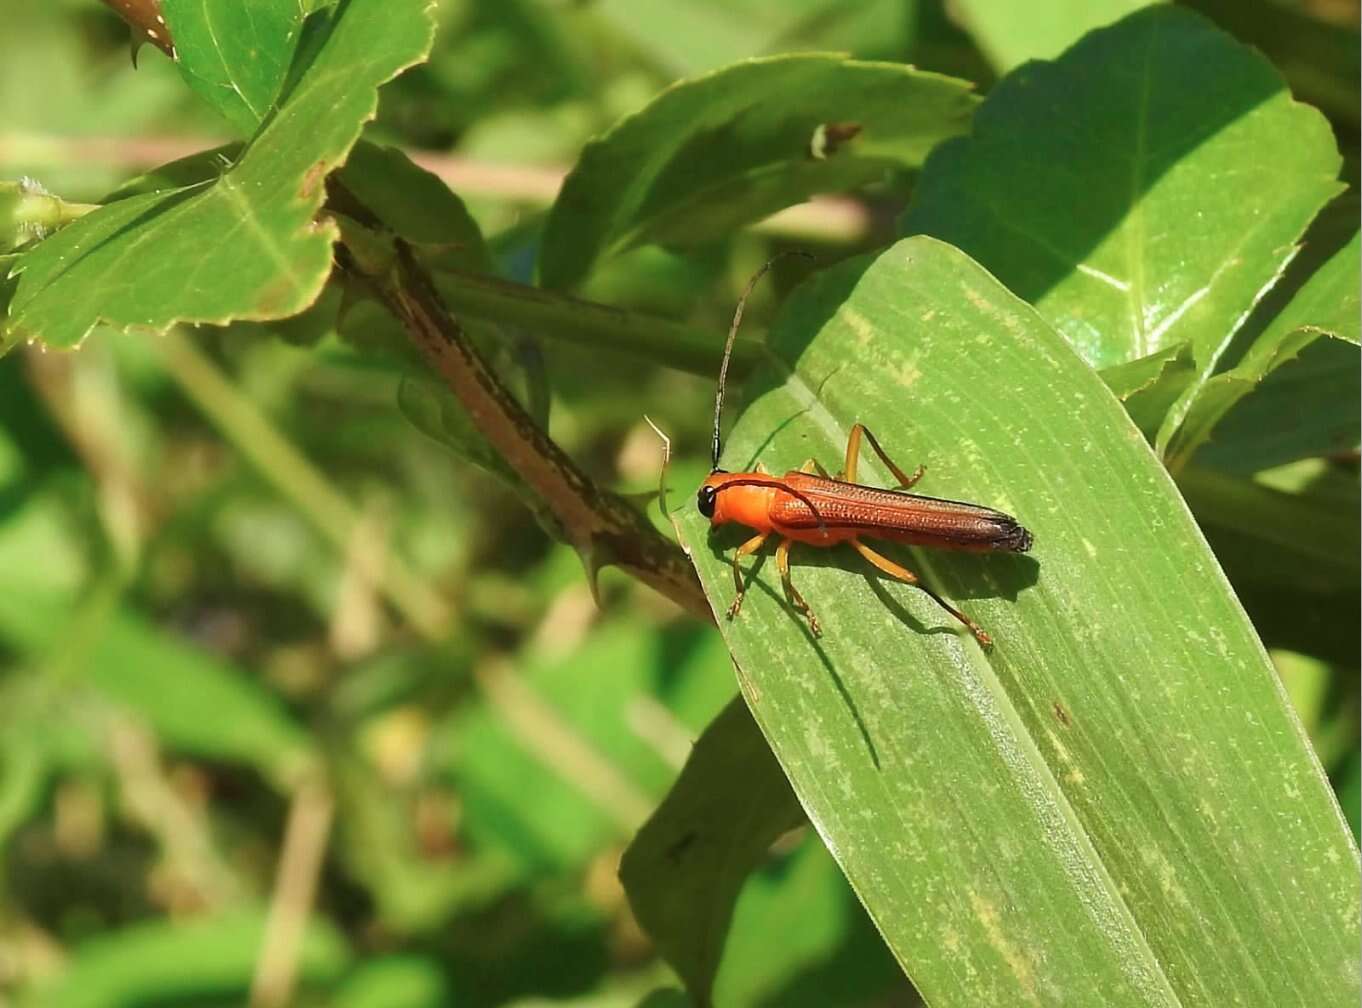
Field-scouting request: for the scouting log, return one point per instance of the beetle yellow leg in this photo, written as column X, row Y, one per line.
column 751, row 546
column 791, row 592
column 899, row 573
column 848, row 472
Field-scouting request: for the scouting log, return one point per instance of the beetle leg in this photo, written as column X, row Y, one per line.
column 848, row 472
column 751, row 546
column 791, row 592
column 903, row 574
column 814, row 466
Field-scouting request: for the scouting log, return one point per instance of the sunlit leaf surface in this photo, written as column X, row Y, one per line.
column 244, row 246
column 235, row 53
column 1173, row 194
column 1115, row 805
column 1310, row 408
column 714, row 153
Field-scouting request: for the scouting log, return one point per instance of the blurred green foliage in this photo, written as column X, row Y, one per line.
column 192, row 635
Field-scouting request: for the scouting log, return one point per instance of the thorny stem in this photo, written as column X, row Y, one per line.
column 602, row 526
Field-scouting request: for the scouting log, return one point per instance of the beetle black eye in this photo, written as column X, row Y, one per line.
column 704, row 500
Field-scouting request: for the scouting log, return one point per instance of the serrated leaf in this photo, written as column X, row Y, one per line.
column 1010, row 33
column 712, row 154
column 685, row 867
column 244, row 246
column 1328, row 306
column 1141, row 191
column 235, row 53
column 1115, row 805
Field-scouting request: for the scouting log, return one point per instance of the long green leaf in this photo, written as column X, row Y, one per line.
column 1115, row 806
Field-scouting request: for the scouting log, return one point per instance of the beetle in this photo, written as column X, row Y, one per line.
column 809, row 506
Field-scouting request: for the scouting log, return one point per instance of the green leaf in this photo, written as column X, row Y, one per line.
column 235, row 53
column 712, row 154
column 1010, row 33
column 196, row 703
column 1150, row 385
column 833, row 955
column 394, row 982
column 1141, row 191
column 23, row 776
column 685, row 868
column 1303, row 538
column 245, row 246
column 198, row 962
column 435, row 412
column 190, row 170
column 1316, row 697
column 665, row 997
column 684, row 36
column 1328, row 305
column 559, row 732
column 1318, row 54
column 1349, row 786
column 1288, row 540
column 415, row 205
column 1115, row 805
column 1306, row 408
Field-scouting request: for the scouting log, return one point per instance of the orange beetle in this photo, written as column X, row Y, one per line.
column 809, row 506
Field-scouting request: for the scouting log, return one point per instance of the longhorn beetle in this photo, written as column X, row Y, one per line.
column 806, row 505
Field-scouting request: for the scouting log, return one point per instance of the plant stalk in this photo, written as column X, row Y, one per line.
column 603, row 527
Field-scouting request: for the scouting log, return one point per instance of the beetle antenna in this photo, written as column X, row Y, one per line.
column 728, row 347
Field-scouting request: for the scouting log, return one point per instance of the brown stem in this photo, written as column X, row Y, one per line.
column 603, row 527
column 295, row 890
column 144, row 16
